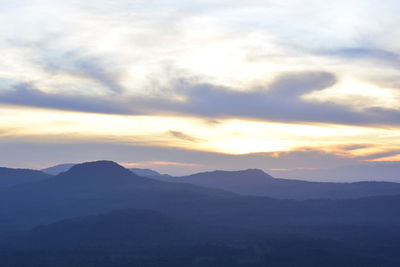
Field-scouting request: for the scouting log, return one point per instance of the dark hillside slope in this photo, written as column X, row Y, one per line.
column 12, row 177
column 147, row 238
column 119, row 229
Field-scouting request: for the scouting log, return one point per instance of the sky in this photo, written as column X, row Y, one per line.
column 184, row 86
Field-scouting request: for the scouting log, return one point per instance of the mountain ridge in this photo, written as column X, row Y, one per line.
column 10, row 177
column 256, row 182
column 57, row 169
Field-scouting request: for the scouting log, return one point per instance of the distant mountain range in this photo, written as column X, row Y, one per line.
column 258, row 183
column 90, row 188
column 102, row 214
column 102, row 186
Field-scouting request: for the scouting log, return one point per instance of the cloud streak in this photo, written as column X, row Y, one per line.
column 28, row 95
column 281, row 101
column 183, row 136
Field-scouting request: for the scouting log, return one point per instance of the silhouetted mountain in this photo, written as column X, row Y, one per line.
column 95, row 174
column 234, row 179
column 259, row 183
column 102, row 186
column 11, row 177
column 90, row 188
column 57, row 169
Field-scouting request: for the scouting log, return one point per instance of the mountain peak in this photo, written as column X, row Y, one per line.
column 239, row 176
column 255, row 172
column 96, row 165
column 102, row 170
column 57, row 169
column 99, row 167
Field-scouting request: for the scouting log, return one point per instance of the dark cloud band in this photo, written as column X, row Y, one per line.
column 280, row 101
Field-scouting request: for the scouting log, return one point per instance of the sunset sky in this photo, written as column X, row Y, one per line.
column 183, row 86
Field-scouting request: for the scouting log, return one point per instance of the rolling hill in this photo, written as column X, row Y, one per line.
column 12, row 177
column 258, row 183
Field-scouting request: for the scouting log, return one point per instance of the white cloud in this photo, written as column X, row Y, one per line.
column 237, row 44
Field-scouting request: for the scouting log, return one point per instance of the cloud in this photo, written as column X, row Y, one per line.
column 373, row 55
column 183, row 136
column 95, row 40
column 354, row 147
column 379, row 156
column 211, row 42
column 27, row 95
column 71, row 62
column 89, row 68
column 280, row 101
column 390, row 159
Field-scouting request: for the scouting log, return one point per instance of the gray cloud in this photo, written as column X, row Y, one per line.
column 27, row 95
column 380, row 155
column 365, row 52
column 183, row 136
column 281, row 101
column 374, row 55
column 73, row 62
column 92, row 69
column 83, row 66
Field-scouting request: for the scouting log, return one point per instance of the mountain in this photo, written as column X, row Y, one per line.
column 98, row 173
column 11, row 177
column 102, row 214
column 57, row 169
column 258, row 183
column 94, row 187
